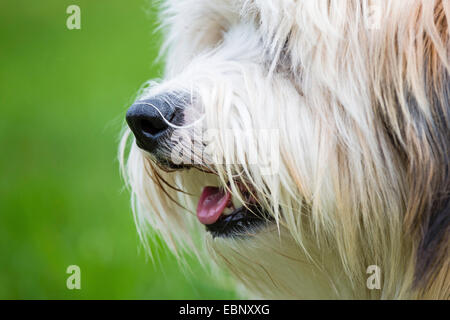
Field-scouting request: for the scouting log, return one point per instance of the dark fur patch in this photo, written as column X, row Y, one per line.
column 435, row 221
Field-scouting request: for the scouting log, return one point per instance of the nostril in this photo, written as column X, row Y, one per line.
column 152, row 128
column 149, row 120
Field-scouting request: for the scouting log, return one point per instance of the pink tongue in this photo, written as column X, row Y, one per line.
column 212, row 203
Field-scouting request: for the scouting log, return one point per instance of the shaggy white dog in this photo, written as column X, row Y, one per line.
column 303, row 143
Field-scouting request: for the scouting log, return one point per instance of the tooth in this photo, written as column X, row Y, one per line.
column 236, row 202
column 227, row 211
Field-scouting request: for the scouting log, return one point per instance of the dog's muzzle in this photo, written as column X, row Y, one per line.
column 150, row 120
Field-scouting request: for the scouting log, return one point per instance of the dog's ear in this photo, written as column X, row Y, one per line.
column 413, row 93
column 428, row 150
column 429, row 176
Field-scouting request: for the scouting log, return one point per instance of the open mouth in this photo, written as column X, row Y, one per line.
column 224, row 217
column 221, row 213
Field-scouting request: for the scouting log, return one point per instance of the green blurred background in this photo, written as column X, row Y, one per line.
column 63, row 96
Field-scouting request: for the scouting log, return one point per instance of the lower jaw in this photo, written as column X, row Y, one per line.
column 244, row 222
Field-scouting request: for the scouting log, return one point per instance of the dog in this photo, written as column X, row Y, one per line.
column 302, row 145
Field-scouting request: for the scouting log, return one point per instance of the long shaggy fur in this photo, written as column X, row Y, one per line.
column 362, row 116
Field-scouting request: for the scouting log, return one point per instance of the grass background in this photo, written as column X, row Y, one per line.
column 63, row 96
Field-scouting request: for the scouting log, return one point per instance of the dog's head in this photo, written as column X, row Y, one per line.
column 306, row 140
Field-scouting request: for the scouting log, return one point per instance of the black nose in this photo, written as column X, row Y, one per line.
column 148, row 119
